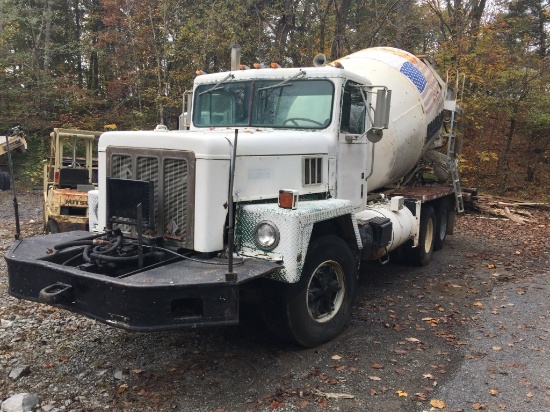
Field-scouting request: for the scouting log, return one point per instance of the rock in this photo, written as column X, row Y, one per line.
column 19, row 372
column 22, row 402
column 5, row 323
column 119, row 375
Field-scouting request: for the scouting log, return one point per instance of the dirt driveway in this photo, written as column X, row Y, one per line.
column 469, row 332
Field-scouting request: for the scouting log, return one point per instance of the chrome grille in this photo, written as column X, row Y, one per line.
column 121, row 167
column 175, row 197
column 148, row 169
column 174, row 183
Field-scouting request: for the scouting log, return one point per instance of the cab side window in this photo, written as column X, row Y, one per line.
column 353, row 110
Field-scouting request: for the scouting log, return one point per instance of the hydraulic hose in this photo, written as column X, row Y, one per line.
column 83, row 242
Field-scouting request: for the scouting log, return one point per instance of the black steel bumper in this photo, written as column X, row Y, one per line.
column 176, row 295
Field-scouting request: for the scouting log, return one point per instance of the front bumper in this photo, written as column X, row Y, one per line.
column 176, row 295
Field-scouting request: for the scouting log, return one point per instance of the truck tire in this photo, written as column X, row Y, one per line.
column 52, row 227
column 441, row 223
column 317, row 308
column 4, row 181
column 422, row 254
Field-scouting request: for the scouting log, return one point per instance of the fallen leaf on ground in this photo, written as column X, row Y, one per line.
column 493, row 391
column 436, row 403
column 276, row 404
column 401, row 393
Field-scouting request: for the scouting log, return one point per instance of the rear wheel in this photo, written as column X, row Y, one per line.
column 4, row 181
column 317, row 308
column 422, row 254
column 442, row 223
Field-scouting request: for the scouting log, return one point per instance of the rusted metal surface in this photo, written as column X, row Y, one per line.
column 424, row 193
column 67, row 198
column 68, row 223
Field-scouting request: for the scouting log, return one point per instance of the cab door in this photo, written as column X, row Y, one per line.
column 352, row 146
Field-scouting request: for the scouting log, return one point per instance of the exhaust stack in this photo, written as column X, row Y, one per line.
column 235, row 57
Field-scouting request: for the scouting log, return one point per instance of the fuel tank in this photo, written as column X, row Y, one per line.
column 416, row 113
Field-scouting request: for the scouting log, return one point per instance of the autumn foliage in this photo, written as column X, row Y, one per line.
column 92, row 62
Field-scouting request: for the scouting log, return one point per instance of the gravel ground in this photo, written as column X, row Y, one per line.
column 468, row 332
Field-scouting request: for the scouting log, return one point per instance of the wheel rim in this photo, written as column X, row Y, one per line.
column 325, row 291
column 429, row 238
column 443, row 224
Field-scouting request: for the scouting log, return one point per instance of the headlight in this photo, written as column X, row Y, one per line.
column 267, row 235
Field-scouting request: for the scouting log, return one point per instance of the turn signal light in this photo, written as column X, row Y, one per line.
column 288, row 198
column 56, row 176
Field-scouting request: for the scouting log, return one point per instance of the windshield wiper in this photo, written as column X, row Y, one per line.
column 217, row 85
column 284, row 82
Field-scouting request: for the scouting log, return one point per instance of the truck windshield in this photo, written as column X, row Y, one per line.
column 297, row 104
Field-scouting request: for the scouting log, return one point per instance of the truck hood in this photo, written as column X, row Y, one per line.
column 213, row 144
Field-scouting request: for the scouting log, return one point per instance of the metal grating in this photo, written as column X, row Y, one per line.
column 312, row 170
column 148, row 169
column 121, row 167
column 175, row 198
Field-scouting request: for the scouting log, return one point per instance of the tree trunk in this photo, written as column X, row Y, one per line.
column 47, row 35
column 502, row 166
column 78, row 42
column 338, row 42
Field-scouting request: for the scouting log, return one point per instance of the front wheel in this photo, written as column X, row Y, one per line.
column 318, row 307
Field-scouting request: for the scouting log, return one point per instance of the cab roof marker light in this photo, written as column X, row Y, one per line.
column 258, row 65
column 244, row 67
column 275, row 65
column 200, row 72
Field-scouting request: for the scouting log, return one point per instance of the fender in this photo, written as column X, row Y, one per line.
column 295, row 228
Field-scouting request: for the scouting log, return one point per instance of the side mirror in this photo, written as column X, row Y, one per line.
column 381, row 118
column 382, row 112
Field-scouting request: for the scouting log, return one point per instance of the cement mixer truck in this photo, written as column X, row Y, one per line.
column 285, row 183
